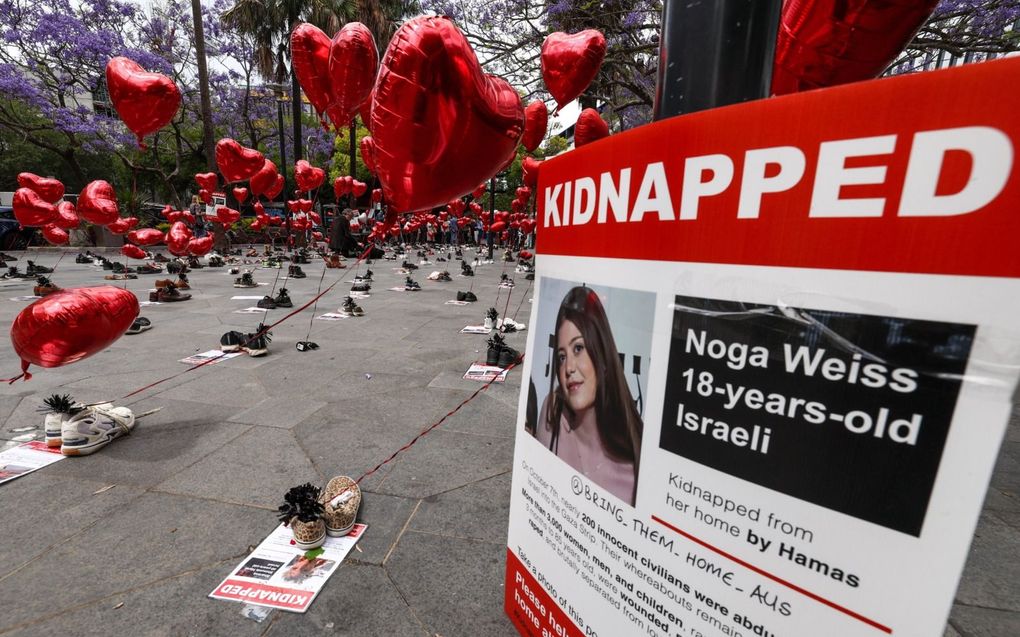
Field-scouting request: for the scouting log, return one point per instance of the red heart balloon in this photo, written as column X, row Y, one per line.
column 341, row 187
column 146, row 102
column 227, row 215
column 309, row 54
column 132, row 251
column 822, row 43
column 51, row 190
column 187, row 218
column 516, row 205
column 31, row 210
column 353, row 61
column 264, row 179
column 308, row 177
column 525, row 254
column 536, row 120
column 207, row 181
column 145, row 237
column 122, row 225
column 529, row 171
column 358, row 188
column 368, row 153
column 318, row 235
column 205, row 195
column 55, row 234
column 175, row 215
column 276, row 188
column 440, row 125
column 97, row 203
column 241, row 194
column 523, row 193
column 67, row 217
column 314, row 216
column 177, row 239
column 590, row 127
column 276, row 221
column 199, row 247
column 259, row 208
column 478, row 192
column 376, row 195
column 571, row 62
column 305, row 205
column 72, row 324
column 236, row 162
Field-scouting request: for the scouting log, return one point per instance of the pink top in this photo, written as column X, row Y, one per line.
column 583, row 451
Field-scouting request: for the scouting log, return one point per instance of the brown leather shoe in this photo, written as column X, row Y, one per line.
column 182, row 282
column 162, row 283
column 170, row 294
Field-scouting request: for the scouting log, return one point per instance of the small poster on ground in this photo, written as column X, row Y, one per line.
column 331, row 316
column 214, row 355
column 25, row 298
column 451, row 302
column 26, row 458
column 475, row 329
column 278, row 575
column 245, row 298
column 359, row 295
column 485, row 373
column 251, row 310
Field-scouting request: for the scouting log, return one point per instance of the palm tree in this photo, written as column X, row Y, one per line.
column 208, row 143
column 270, row 23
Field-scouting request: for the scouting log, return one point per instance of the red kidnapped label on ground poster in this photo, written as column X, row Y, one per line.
column 906, row 174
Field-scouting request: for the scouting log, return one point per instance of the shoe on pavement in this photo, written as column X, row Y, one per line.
column 61, row 408
column 168, row 294
column 267, row 303
column 93, row 428
column 411, row 285
column 231, row 341
column 44, row 286
column 341, row 500
column 350, row 308
column 139, row 325
column 295, row 272
column 283, row 299
column 470, row 297
column 246, row 280
column 257, row 343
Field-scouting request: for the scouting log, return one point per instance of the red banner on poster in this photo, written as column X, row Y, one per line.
column 532, row 610
column 906, row 174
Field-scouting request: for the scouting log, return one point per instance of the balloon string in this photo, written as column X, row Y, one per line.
column 315, row 308
column 518, row 310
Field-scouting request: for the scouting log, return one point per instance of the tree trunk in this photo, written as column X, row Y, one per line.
column 203, row 87
column 296, row 101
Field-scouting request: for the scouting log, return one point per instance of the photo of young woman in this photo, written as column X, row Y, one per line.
column 589, row 418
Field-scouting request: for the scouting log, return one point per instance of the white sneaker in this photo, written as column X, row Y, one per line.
column 511, row 324
column 488, row 323
column 93, row 428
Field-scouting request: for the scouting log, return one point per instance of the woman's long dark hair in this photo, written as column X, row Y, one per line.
column 619, row 422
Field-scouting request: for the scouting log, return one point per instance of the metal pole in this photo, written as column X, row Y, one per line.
column 715, row 53
column 283, row 168
column 492, row 210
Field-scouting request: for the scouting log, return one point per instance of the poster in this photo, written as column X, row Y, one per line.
column 486, row 373
column 278, row 575
column 24, row 459
column 772, row 357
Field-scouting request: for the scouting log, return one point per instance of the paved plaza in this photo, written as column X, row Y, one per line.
column 130, row 541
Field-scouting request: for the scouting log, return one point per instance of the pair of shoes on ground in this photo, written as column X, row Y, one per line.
column 81, row 430
column 139, row 325
column 254, row 343
column 149, row 268
column 44, row 286
column 295, row 272
column 499, row 353
column 339, row 501
column 350, row 308
column 468, row 296
column 439, row 275
column 181, row 283
column 168, row 294
column 410, row 285
column 282, row 299
column 360, row 285
column 246, row 280
column 508, row 325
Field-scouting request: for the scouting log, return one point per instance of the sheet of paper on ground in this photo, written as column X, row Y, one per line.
column 26, row 458
column 277, row 574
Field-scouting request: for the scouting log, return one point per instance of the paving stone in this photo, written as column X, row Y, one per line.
column 386, row 516
column 147, row 457
column 148, row 539
column 281, row 411
column 444, row 460
column 50, row 510
column 359, row 600
column 256, row 468
column 988, row 580
column 449, row 582
column 476, row 511
column 972, row 621
column 171, row 607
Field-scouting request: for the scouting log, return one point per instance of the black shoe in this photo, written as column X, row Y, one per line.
column 295, row 272
column 140, row 325
column 461, row 296
column 246, row 280
column 496, row 345
column 470, row 297
column 407, row 265
column 368, row 275
column 267, row 303
column 215, row 262
column 257, row 344
column 530, row 276
column 159, row 258
column 81, row 258
column 283, row 299
column 231, row 341
column 6, row 257
column 173, row 267
column 507, row 357
column 107, row 264
column 350, row 308
column 360, row 287
column 146, row 268
column 411, row 285
column 444, row 276
column 13, row 273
